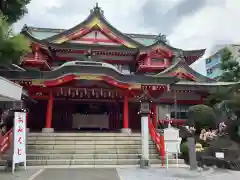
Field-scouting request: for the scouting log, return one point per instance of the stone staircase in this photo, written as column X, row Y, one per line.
column 88, row 149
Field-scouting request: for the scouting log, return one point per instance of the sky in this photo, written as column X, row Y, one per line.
column 188, row 24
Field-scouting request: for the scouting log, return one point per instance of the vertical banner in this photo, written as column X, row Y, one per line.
column 19, row 134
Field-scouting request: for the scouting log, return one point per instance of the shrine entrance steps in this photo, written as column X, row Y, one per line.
column 88, row 150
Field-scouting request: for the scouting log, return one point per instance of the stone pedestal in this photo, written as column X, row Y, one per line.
column 144, row 162
column 47, row 130
column 192, row 153
column 126, row 130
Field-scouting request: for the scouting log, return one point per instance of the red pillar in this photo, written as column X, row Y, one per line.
column 162, row 148
column 49, row 111
column 154, row 115
column 125, row 112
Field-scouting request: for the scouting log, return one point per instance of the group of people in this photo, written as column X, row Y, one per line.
column 208, row 134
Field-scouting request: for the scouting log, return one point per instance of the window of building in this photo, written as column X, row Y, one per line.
column 209, row 71
column 182, row 112
column 180, row 115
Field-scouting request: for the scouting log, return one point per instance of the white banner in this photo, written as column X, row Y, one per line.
column 19, row 133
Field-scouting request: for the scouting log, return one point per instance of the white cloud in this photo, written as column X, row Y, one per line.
column 216, row 22
column 210, row 26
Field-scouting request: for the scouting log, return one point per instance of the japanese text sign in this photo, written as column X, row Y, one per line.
column 19, row 154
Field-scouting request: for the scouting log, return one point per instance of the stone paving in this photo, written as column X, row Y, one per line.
column 19, row 175
column 120, row 174
column 176, row 174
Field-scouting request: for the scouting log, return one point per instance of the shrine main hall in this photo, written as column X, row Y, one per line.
column 94, row 77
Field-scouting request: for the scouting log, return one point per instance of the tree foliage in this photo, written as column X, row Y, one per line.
column 230, row 67
column 234, row 104
column 202, row 116
column 13, row 10
column 12, row 47
column 218, row 96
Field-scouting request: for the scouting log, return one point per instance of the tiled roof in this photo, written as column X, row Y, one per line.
column 43, row 33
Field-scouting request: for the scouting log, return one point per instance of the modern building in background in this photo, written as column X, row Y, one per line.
column 213, row 62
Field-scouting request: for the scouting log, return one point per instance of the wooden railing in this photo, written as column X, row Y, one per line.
column 5, row 142
column 158, row 139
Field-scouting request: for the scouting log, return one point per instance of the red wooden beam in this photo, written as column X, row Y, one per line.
column 62, row 80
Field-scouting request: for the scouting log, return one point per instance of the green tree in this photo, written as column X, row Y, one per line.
column 221, row 94
column 201, row 116
column 230, row 67
column 12, row 46
column 13, row 10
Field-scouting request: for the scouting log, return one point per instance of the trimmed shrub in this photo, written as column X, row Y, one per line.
column 202, row 116
column 184, row 148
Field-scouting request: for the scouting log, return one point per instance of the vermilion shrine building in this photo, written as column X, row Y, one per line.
column 94, row 76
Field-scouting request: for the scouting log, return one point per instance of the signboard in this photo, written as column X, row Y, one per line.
column 219, row 155
column 19, row 133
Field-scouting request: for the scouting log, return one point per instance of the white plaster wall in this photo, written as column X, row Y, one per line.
column 9, row 91
column 163, row 109
column 181, row 96
column 99, row 35
column 92, row 35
